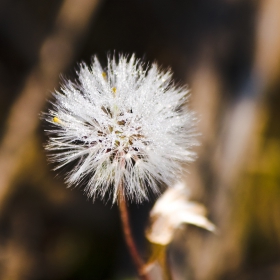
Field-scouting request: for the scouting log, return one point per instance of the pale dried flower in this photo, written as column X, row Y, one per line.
column 125, row 125
column 172, row 210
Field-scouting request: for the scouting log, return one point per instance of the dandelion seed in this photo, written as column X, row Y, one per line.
column 127, row 124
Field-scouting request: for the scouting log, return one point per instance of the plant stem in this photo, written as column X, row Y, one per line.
column 138, row 262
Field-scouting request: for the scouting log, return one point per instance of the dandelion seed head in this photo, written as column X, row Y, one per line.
column 125, row 124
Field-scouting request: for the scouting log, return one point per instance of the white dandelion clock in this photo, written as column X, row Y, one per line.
column 127, row 128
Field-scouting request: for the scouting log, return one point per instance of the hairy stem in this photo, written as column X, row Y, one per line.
column 138, row 262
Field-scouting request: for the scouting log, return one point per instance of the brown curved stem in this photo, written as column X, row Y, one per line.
column 138, row 262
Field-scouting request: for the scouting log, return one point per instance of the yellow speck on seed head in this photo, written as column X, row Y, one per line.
column 114, row 90
column 56, row 120
column 104, row 75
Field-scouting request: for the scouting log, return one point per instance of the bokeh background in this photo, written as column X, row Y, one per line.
column 228, row 52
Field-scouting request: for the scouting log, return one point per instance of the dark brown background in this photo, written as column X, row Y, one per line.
column 227, row 51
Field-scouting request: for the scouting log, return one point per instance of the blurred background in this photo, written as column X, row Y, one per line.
column 228, row 52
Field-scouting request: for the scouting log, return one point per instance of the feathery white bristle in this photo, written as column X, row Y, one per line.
column 128, row 124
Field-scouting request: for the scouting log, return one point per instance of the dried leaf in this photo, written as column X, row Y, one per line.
column 157, row 264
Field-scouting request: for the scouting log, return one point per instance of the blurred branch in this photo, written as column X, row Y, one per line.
column 233, row 148
column 267, row 61
column 56, row 54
